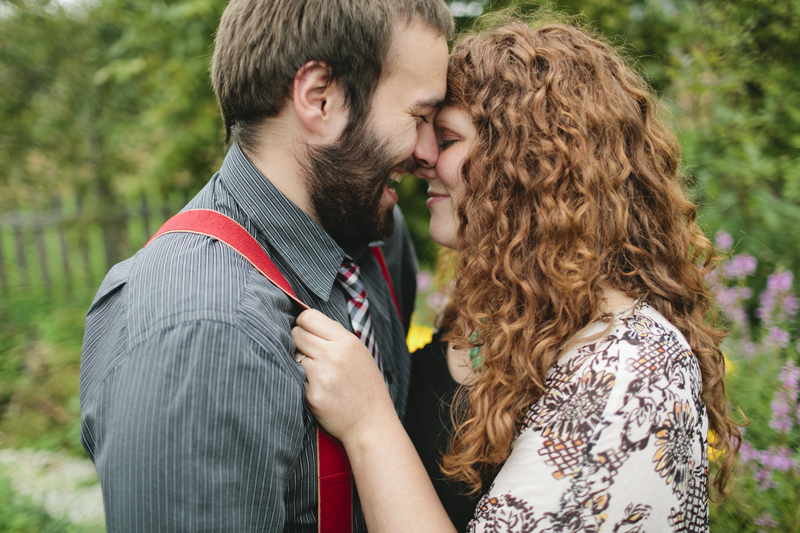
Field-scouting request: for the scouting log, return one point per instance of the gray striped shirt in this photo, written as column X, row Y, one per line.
column 191, row 402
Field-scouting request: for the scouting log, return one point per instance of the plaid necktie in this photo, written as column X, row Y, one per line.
column 358, row 308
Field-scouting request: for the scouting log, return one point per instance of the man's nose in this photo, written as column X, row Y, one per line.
column 426, row 152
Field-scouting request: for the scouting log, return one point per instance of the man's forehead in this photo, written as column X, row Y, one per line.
column 405, row 37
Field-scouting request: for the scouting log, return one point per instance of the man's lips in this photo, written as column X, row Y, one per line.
column 388, row 191
column 394, row 178
column 435, row 197
column 406, row 167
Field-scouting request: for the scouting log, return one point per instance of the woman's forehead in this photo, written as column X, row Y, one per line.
column 453, row 115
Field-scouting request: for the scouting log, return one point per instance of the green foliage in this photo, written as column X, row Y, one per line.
column 751, row 387
column 735, row 76
column 18, row 514
column 104, row 96
column 180, row 128
column 113, row 97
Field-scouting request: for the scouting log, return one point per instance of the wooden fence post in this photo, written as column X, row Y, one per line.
column 62, row 240
column 146, row 217
column 22, row 260
column 83, row 239
column 114, row 224
column 166, row 211
column 42, row 250
column 3, row 278
column 36, row 233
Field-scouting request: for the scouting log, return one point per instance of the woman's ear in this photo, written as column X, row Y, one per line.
column 319, row 102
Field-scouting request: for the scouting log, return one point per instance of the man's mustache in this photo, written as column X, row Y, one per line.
column 406, row 167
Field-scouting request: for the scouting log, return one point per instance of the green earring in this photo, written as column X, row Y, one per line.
column 475, row 352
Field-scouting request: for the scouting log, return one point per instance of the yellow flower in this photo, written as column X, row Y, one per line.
column 712, row 453
column 418, row 336
column 729, row 366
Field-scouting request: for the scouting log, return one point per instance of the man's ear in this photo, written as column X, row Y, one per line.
column 319, row 102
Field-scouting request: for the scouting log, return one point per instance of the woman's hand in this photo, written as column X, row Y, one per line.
column 347, row 394
column 345, row 390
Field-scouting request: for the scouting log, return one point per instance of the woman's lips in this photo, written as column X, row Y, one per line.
column 435, row 197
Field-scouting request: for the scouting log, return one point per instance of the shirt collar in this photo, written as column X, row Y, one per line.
column 311, row 253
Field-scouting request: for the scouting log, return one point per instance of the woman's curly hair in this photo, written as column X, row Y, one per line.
column 573, row 186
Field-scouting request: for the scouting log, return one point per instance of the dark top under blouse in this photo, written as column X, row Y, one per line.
column 430, row 428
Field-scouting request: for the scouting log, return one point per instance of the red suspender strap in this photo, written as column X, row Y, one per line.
column 226, row 230
column 335, row 475
column 334, row 486
column 378, row 253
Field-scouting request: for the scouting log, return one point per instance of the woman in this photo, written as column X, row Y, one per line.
column 579, row 301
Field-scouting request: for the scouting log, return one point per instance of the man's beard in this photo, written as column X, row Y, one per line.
column 345, row 184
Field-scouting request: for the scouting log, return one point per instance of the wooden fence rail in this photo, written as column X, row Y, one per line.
column 72, row 244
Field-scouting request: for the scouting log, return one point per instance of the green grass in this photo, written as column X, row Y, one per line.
column 41, row 328
column 19, row 514
column 40, row 342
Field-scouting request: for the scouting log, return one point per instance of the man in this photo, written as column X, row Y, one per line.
column 192, row 403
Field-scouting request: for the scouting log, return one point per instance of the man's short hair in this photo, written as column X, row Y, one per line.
column 260, row 45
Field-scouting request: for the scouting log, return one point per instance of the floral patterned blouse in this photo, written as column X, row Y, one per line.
column 619, row 443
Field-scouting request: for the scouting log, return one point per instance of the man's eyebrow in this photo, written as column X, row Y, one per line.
column 431, row 103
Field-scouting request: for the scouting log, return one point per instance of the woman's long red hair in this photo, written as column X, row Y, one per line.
column 574, row 185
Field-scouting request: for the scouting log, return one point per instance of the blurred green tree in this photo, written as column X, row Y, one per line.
column 63, row 128
column 736, row 75
column 113, row 96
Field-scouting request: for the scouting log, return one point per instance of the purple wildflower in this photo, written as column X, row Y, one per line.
column 790, row 305
column 778, row 304
column 784, row 402
column 780, row 281
column 781, row 413
column 766, row 462
column 424, row 280
column 723, row 240
column 739, row 266
column 777, row 337
column 763, row 477
column 731, row 300
column 789, row 377
column 779, row 459
column 435, row 301
column 747, row 453
column 748, row 348
column 765, row 521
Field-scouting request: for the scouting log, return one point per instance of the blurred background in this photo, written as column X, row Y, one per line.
column 108, row 125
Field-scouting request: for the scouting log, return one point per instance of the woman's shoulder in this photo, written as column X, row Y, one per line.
column 647, row 329
column 640, row 342
column 652, row 350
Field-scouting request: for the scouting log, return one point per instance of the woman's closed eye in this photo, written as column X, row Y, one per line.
column 444, row 145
